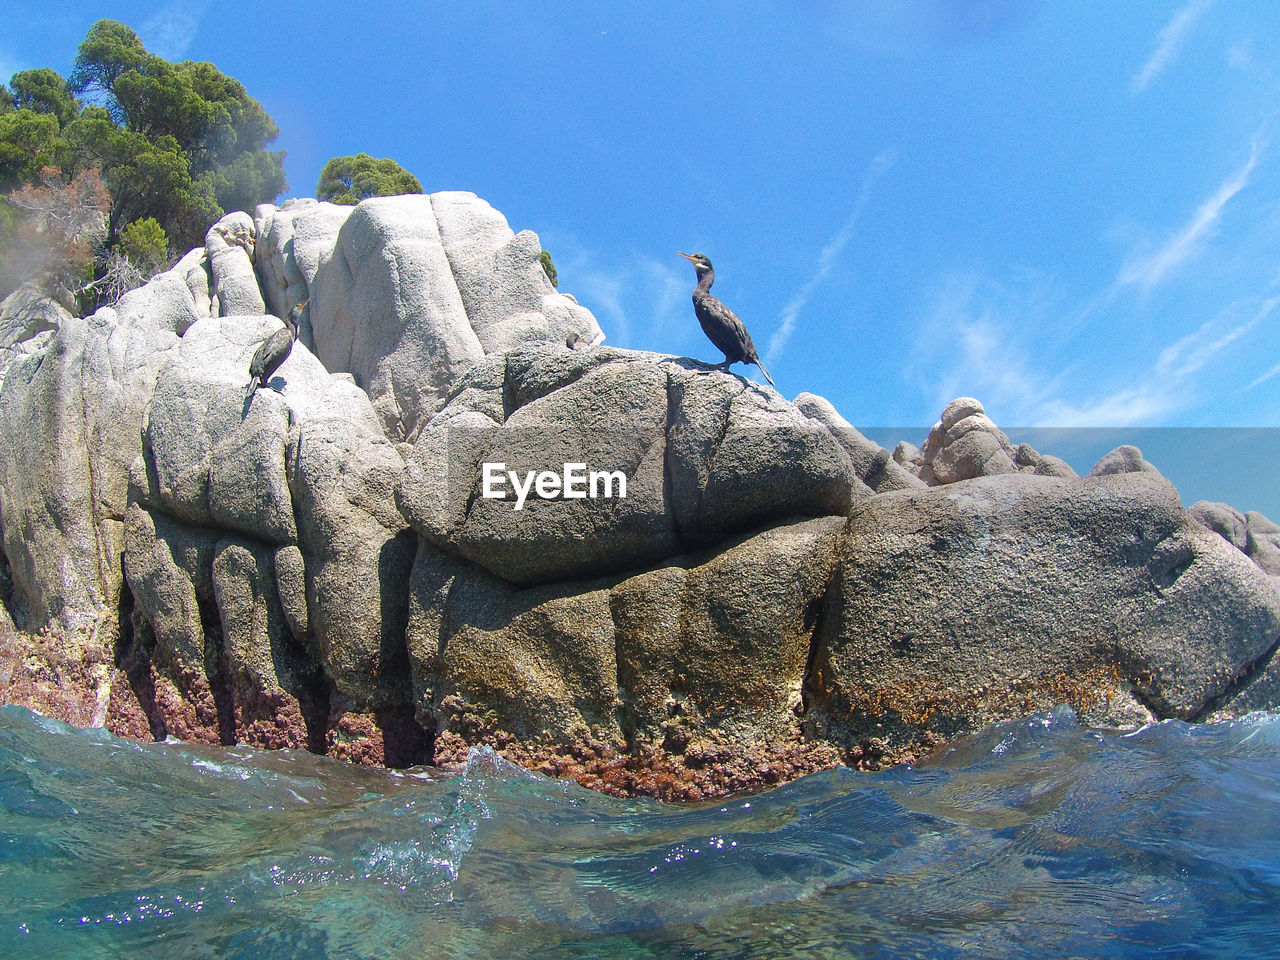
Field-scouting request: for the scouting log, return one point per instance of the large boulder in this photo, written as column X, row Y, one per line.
column 168, row 566
column 71, row 415
column 26, row 314
column 292, row 243
column 962, row 604
column 873, row 465
column 307, row 480
column 356, row 548
column 216, row 449
column 1125, row 458
column 409, row 292
column 1262, row 542
column 507, row 294
column 1224, row 520
column 711, row 645
column 705, row 456
column 1251, row 533
column 229, row 252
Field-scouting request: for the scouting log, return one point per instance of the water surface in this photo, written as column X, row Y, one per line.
column 1037, row 839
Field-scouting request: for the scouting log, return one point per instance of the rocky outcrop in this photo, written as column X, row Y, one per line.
column 304, row 478
column 411, row 293
column 683, row 457
column 1123, row 459
column 69, row 415
column 415, row 539
column 874, row 467
column 961, row 604
column 965, row 444
column 1251, row 533
column 713, row 641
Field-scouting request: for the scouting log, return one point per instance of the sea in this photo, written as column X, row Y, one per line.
column 1037, row 838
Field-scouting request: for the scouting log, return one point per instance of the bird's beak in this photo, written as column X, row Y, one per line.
column 686, row 256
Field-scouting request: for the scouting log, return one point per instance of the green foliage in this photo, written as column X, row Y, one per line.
column 29, row 141
column 43, row 91
column 177, row 144
column 248, row 180
column 348, row 180
column 550, row 268
column 186, row 137
column 145, row 244
column 109, row 50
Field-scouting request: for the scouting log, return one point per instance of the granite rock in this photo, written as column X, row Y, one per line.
column 958, row 605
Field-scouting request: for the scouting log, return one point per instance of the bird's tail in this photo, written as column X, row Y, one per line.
column 766, row 373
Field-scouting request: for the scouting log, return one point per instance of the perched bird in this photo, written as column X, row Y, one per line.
column 719, row 323
column 274, row 350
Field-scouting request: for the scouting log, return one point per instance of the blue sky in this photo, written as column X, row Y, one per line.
column 1069, row 209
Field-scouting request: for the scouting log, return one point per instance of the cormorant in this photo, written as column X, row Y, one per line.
column 274, row 350
column 719, row 323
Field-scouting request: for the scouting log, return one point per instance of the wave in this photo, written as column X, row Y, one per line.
column 1035, row 838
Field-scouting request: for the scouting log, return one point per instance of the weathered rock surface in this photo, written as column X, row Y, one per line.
column 70, row 415
column 703, row 656
column 705, row 456
column 412, row 292
column 876, row 469
column 293, row 243
column 1251, row 533
column 25, row 315
column 1123, row 459
column 965, row 444
column 297, row 483
column 306, row 468
column 1224, row 520
column 957, row 605
column 1263, row 542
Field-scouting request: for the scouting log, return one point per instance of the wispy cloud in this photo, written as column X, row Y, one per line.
column 884, row 160
column 977, row 339
column 640, row 302
column 1169, row 384
column 988, row 340
column 1148, row 269
column 171, row 30
column 1128, row 407
column 1169, row 43
column 1188, row 355
column 1272, row 303
column 1240, row 55
column 1265, row 377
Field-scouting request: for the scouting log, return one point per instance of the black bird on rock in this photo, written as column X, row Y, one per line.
column 274, row 350
column 719, row 323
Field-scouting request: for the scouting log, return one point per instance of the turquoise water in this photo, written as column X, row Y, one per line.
column 1037, row 839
